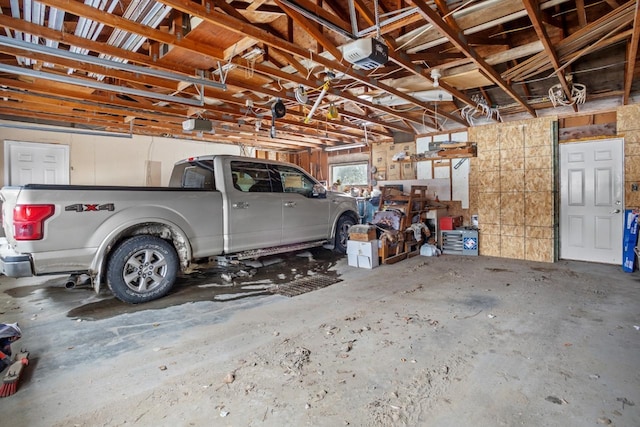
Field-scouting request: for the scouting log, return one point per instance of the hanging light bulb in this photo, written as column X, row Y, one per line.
column 435, row 75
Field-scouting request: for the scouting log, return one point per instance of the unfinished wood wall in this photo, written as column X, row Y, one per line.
column 629, row 128
column 511, row 187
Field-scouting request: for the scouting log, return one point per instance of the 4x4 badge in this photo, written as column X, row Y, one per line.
column 79, row 207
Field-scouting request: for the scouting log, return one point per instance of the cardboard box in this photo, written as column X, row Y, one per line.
column 363, row 254
column 362, row 233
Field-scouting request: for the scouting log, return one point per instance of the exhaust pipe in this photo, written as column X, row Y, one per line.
column 72, row 281
column 77, row 280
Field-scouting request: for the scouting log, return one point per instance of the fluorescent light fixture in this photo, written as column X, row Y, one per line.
column 344, row 147
column 20, row 71
column 424, row 96
column 183, row 80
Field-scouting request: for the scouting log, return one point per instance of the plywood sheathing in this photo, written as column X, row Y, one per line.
column 512, row 187
column 389, row 169
column 629, row 128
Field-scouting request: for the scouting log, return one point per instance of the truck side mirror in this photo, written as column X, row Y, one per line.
column 319, row 191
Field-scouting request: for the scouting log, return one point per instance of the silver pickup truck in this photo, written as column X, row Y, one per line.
column 136, row 239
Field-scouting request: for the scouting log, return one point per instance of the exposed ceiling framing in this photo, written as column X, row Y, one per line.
column 146, row 66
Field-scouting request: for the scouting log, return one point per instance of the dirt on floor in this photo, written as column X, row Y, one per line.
column 429, row 341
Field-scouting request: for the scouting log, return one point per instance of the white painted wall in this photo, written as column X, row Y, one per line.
column 107, row 160
column 459, row 176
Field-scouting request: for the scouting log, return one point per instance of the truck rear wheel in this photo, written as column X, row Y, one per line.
column 342, row 233
column 141, row 269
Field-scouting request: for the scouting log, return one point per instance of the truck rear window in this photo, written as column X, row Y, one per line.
column 196, row 174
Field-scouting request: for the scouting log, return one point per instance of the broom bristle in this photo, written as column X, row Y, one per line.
column 8, row 389
column 10, row 381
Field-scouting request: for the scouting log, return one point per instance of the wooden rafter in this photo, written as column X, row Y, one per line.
column 316, row 33
column 597, row 35
column 459, row 41
column 534, row 15
column 141, row 59
column 300, row 42
column 582, row 14
column 236, row 26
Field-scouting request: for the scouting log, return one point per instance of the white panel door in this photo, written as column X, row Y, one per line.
column 32, row 163
column 591, row 204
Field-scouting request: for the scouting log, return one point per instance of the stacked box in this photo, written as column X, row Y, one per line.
column 363, row 254
column 362, row 233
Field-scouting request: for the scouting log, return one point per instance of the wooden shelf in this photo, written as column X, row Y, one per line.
column 414, row 208
column 464, row 151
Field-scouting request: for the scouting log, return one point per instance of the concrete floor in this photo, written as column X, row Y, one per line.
column 446, row 341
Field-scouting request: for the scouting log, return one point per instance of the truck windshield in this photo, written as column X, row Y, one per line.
column 193, row 174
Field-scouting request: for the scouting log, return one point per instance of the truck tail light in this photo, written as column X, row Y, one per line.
column 28, row 221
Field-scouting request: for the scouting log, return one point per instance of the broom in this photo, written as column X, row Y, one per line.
column 10, row 380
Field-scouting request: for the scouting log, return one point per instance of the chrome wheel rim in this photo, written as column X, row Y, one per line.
column 145, row 270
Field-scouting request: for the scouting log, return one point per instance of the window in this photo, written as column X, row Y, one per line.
column 352, row 174
column 256, row 177
column 195, row 174
column 295, row 181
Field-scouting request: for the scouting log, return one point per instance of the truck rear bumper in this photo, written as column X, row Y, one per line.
column 12, row 263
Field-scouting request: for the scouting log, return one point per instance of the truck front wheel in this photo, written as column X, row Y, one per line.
column 141, row 269
column 342, row 233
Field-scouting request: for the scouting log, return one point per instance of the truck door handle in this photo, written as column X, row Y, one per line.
column 240, row 205
column 290, row 204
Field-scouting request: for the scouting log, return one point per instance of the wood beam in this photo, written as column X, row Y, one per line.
column 237, row 26
column 15, row 24
column 534, row 15
column 632, row 55
column 369, row 17
column 132, row 77
column 316, row 33
column 317, row 10
column 459, row 41
column 612, row 3
column 115, row 21
column 582, row 13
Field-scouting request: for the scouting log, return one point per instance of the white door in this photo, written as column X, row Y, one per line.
column 33, row 163
column 591, row 201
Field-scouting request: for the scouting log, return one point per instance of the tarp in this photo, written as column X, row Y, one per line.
column 630, row 240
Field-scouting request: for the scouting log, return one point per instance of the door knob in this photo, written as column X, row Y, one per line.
column 615, row 211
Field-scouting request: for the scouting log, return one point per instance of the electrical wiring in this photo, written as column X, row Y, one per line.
column 301, row 95
column 469, row 112
column 249, row 71
column 405, row 110
column 578, row 95
column 542, row 98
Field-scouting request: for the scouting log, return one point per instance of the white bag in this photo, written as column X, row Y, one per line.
column 429, row 250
